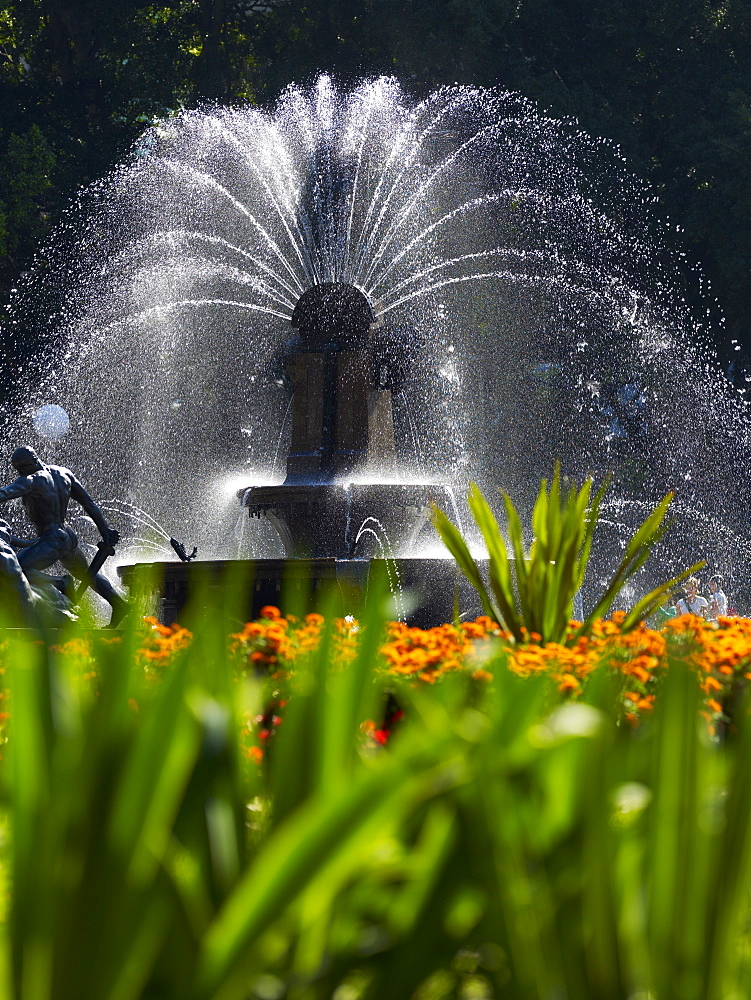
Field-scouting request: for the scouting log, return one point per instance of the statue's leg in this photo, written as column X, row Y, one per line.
column 46, row 550
column 120, row 606
column 37, row 603
column 75, row 561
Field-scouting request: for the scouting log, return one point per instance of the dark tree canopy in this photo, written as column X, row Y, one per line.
column 668, row 80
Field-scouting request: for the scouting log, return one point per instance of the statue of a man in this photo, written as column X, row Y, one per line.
column 45, row 491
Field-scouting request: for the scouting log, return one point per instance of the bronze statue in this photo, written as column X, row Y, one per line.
column 45, row 491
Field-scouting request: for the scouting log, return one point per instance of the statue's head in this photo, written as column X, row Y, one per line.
column 25, row 460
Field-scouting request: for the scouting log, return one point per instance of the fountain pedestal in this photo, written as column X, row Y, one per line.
column 342, row 421
column 328, row 372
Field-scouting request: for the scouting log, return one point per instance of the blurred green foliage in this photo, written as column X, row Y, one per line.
column 26, row 181
column 502, row 845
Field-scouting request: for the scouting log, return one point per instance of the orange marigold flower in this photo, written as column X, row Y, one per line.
column 641, row 674
column 482, row 675
column 487, row 624
column 568, row 683
column 269, row 611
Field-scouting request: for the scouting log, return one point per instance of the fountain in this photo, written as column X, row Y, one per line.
column 342, row 380
column 327, row 315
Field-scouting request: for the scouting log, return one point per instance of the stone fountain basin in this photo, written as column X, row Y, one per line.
column 330, row 520
column 424, row 590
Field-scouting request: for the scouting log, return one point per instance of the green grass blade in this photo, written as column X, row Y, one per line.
column 309, row 840
column 452, row 539
column 499, row 565
column 651, row 601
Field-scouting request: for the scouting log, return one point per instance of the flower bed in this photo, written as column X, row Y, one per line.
column 718, row 652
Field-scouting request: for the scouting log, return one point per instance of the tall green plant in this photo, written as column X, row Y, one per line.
column 534, row 591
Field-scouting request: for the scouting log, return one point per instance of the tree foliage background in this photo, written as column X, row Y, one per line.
column 668, row 80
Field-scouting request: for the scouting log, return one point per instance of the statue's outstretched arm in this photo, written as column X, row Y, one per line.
column 94, row 511
column 18, row 488
column 6, row 536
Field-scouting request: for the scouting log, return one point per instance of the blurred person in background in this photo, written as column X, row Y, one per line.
column 664, row 613
column 718, row 602
column 693, row 603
